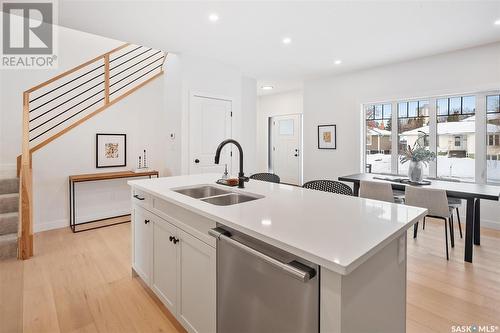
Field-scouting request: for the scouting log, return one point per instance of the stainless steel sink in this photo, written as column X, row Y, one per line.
column 216, row 195
column 230, row 199
column 203, row 191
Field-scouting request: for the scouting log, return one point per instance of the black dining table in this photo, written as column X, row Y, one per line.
column 471, row 192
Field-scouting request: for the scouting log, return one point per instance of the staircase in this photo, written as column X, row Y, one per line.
column 53, row 108
column 9, row 217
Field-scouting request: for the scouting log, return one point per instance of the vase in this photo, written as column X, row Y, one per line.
column 416, row 171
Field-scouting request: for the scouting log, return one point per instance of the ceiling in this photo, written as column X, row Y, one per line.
column 248, row 35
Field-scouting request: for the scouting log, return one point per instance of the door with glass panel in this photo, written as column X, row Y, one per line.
column 285, row 148
column 493, row 138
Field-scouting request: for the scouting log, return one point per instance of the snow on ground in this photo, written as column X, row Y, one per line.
column 453, row 167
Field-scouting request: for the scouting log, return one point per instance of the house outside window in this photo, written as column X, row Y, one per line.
column 378, row 145
column 450, row 125
column 413, row 122
column 493, row 132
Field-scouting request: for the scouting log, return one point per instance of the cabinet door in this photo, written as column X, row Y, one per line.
column 142, row 240
column 164, row 279
column 196, row 284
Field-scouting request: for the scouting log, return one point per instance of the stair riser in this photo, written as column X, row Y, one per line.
column 9, row 205
column 9, row 186
column 8, row 250
column 8, row 225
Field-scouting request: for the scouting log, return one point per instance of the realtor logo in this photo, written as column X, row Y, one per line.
column 28, row 35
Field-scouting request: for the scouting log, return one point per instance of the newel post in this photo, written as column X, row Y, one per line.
column 25, row 232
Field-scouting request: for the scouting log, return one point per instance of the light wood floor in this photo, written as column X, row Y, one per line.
column 82, row 283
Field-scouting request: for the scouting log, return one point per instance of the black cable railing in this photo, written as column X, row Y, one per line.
column 141, row 73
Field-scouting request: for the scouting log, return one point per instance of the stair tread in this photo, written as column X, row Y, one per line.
column 8, row 215
column 9, row 185
column 9, row 195
column 8, row 238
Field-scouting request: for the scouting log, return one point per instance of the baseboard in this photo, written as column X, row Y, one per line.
column 39, row 227
column 8, row 171
column 490, row 224
column 64, row 223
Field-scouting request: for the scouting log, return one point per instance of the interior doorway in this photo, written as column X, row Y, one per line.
column 209, row 124
column 285, row 148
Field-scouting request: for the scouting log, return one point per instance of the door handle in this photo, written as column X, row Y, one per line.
column 196, row 161
column 296, row 155
column 297, row 270
column 146, row 221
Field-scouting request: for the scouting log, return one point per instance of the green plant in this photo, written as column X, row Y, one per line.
column 418, row 153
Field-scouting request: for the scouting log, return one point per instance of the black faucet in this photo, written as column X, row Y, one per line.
column 241, row 176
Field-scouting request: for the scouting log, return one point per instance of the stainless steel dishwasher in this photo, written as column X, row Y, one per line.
column 261, row 288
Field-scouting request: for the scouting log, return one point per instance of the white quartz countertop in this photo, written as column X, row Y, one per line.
column 335, row 231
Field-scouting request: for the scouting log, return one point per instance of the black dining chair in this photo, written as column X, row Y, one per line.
column 266, row 177
column 328, row 186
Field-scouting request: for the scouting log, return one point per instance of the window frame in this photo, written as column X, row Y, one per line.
column 481, row 119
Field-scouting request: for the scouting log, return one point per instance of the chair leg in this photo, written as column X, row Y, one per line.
column 423, row 224
column 446, row 239
column 415, row 229
column 459, row 224
column 452, row 231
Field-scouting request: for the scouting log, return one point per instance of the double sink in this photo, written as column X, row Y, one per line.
column 216, row 195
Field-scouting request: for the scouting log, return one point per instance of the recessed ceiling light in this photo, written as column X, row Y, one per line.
column 213, row 17
column 287, row 40
column 497, row 22
column 267, row 87
column 337, row 62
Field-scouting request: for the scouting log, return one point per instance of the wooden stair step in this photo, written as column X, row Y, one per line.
column 9, row 223
column 8, row 246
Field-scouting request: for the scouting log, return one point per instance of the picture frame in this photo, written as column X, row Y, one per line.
column 110, row 150
column 327, row 136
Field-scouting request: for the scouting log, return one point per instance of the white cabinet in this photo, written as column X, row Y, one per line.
column 179, row 268
column 142, row 251
column 197, row 284
column 165, row 252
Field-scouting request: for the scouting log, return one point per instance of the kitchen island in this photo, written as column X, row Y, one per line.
column 359, row 246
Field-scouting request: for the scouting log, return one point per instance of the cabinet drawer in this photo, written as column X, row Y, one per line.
column 141, row 198
column 186, row 220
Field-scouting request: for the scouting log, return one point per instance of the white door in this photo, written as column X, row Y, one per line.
column 286, row 147
column 164, row 277
column 197, row 285
column 209, row 125
column 142, row 244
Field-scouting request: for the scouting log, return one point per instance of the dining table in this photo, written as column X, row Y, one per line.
column 472, row 193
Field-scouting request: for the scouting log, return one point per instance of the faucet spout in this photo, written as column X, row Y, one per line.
column 241, row 176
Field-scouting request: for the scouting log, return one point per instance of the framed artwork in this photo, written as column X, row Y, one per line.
column 111, row 150
column 327, row 137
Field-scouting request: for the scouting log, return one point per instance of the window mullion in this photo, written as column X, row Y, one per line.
column 433, row 135
column 481, row 140
column 394, row 138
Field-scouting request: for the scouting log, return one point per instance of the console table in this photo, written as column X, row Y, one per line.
column 92, row 177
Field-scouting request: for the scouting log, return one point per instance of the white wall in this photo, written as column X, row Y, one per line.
column 147, row 117
column 211, row 78
column 338, row 99
column 75, row 47
column 285, row 103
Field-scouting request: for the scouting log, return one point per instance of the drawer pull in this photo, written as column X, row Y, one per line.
column 138, row 197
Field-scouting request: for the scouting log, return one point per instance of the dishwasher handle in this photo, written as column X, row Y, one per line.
column 296, row 269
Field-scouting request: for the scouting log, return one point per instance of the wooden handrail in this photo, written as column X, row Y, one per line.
column 24, row 161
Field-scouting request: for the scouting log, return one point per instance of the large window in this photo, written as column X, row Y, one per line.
column 413, row 123
column 447, row 126
column 378, row 137
column 493, row 138
column 456, row 127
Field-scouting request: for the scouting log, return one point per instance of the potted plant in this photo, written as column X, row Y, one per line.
column 417, row 155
